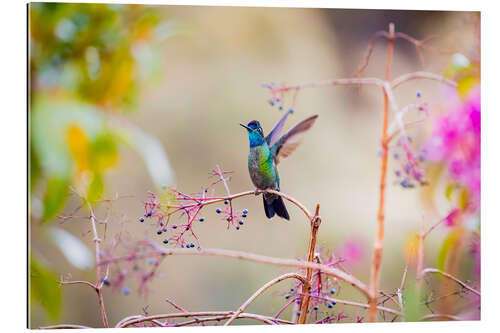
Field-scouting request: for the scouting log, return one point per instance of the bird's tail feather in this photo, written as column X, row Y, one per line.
column 268, row 208
column 277, row 206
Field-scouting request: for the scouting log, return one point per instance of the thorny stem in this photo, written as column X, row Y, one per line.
column 98, row 283
column 304, row 303
column 379, row 242
column 264, row 288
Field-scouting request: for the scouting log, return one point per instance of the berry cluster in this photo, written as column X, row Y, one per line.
column 278, row 96
column 323, row 289
column 170, row 202
column 410, row 171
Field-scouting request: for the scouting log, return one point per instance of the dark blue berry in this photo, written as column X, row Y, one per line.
column 280, row 107
column 271, row 102
column 330, row 305
column 226, row 202
column 125, row 291
column 292, row 289
column 106, row 282
column 245, row 211
column 174, row 226
column 291, row 110
column 315, row 308
column 149, row 213
column 165, row 241
column 332, row 291
column 243, row 215
column 419, row 94
column 237, row 227
column 287, row 296
column 240, row 222
column 141, row 219
column 202, row 219
column 298, row 313
column 218, row 210
column 159, row 232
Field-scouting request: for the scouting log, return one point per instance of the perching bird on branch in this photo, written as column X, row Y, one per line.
column 265, row 154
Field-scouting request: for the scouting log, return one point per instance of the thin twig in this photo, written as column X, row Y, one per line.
column 264, row 288
column 91, row 285
column 451, row 277
column 401, row 287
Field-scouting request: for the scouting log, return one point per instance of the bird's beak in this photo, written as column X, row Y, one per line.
column 248, row 128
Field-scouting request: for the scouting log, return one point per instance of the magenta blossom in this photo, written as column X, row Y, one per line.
column 456, row 142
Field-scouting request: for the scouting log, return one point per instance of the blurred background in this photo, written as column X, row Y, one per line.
column 125, row 99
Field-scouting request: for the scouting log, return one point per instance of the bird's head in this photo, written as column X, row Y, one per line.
column 255, row 133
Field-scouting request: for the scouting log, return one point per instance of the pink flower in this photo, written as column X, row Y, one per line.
column 456, row 142
column 352, row 252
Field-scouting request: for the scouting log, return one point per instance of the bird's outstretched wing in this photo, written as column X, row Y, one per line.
column 274, row 135
column 287, row 144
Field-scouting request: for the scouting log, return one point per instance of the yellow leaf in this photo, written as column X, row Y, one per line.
column 78, row 146
column 465, row 84
column 411, row 247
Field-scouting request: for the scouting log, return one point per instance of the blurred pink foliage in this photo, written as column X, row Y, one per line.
column 352, row 252
column 456, row 142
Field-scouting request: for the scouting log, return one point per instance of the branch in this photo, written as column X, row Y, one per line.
column 379, row 241
column 421, row 75
column 63, row 327
column 98, row 283
column 440, row 316
column 451, row 277
column 256, row 258
column 133, row 320
column 306, row 288
column 357, row 304
column 264, row 288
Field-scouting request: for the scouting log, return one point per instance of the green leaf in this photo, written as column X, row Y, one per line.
column 55, row 197
column 412, row 306
column 72, row 248
column 104, row 151
column 96, row 188
column 35, row 171
column 45, row 289
column 448, row 244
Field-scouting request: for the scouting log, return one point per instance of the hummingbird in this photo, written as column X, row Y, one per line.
column 265, row 154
